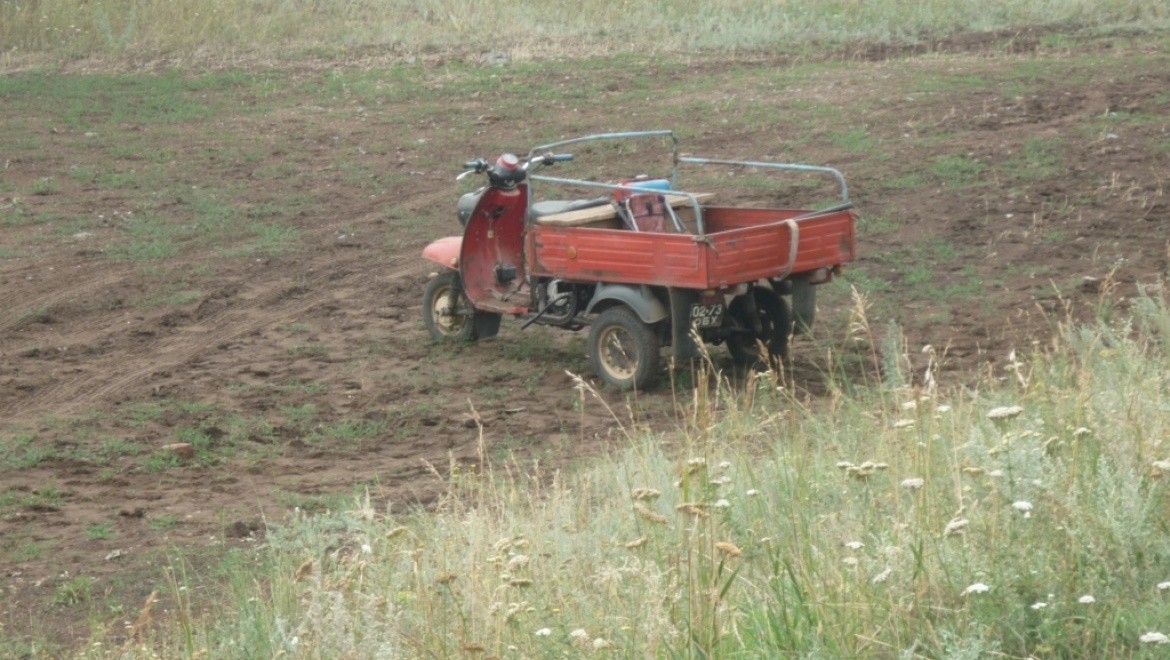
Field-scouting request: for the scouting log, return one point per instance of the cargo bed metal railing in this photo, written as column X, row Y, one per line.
column 774, row 166
column 686, row 160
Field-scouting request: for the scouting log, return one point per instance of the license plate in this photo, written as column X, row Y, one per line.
column 707, row 316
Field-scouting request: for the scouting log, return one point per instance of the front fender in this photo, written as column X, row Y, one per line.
column 639, row 298
column 445, row 251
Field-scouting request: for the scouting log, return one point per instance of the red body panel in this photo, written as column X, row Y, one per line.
column 743, row 245
column 445, row 251
column 492, row 242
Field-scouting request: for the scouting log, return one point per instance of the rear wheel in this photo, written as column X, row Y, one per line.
column 775, row 328
column 623, row 349
column 446, row 311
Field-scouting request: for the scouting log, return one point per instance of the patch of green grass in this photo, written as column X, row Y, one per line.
column 1039, row 158
column 148, row 239
column 300, row 416
column 24, row 452
column 34, row 314
column 100, row 532
column 265, row 239
column 303, row 388
column 957, row 171
column 855, row 141
column 160, row 462
column 1055, row 236
column 944, row 251
column 351, row 430
column 19, row 545
column 74, row 591
column 917, row 275
column 81, row 102
column 41, row 187
column 163, row 523
column 14, row 212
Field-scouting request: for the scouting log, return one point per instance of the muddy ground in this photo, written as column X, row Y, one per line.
column 277, row 327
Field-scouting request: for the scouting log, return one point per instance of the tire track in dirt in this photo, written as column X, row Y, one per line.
column 39, row 298
column 69, row 395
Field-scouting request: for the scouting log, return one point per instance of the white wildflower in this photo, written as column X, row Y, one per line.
column 956, row 526
column 944, row 408
column 995, row 473
column 1163, row 586
column 882, row 577
column 910, row 405
column 752, row 492
column 1164, row 466
column 1004, row 412
column 722, row 504
column 1022, row 506
column 600, row 643
column 1039, row 606
column 913, row 483
column 543, row 632
column 579, row 634
column 903, row 423
column 367, row 549
column 1086, row 600
column 849, row 561
column 977, row 588
column 1154, row 638
column 725, row 465
column 844, row 465
column 698, row 460
column 855, row 545
column 1081, row 431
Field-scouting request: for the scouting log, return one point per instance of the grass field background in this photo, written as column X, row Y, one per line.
column 63, row 29
column 899, row 513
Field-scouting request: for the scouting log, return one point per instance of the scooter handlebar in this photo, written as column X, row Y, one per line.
column 480, row 165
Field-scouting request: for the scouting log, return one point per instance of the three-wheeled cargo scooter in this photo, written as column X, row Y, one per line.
column 644, row 265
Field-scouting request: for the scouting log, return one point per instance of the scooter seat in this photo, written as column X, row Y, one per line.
column 541, row 209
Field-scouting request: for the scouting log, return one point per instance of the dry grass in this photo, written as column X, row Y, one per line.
column 1024, row 519
column 144, row 31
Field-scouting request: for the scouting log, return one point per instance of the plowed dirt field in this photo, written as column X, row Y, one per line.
column 231, row 259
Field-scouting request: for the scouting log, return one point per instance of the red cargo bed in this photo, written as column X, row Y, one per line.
column 739, row 245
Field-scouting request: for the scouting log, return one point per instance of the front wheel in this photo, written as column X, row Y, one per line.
column 623, row 349
column 775, row 328
column 446, row 311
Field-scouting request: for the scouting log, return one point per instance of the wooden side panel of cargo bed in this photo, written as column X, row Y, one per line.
column 602, row 255
column 752, row 244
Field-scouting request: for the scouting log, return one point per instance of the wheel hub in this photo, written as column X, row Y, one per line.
column 447, row 317
column 619, row 353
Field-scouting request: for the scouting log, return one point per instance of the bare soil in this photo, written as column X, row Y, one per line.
column 305, row 375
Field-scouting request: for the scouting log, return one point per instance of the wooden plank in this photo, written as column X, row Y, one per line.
column 600, row 214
